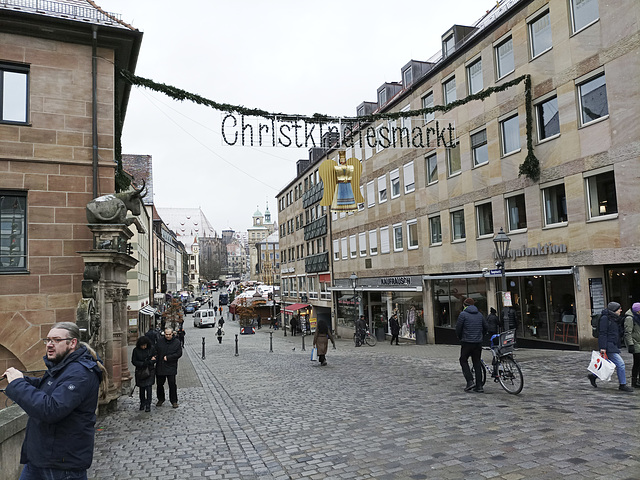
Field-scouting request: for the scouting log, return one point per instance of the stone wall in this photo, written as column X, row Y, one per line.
column 13, row 422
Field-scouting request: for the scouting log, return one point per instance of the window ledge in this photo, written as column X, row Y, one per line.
column 413, row 248
column 395, row 196
column 585, row 27
column 455, row 174
column 512, row 153
column 603, row 218
column 545, row 140
column 488, row 235
column 597, row 120
column 505, row 75
column 480, row 165
column 540, row 54
column 555, row 225
column 518, row 230
column 372, row 254
column 406, row 192
column 398, row 250
column 438, row 244
column 432, row 183
column 460, row 240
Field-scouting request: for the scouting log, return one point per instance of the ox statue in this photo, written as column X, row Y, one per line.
column 113, row 209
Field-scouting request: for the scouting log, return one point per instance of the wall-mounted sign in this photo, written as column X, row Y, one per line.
column 541, row 249
column 395, row 281
column 596, row 293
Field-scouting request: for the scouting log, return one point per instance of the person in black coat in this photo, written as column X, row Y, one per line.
column 144, row 359
column 394, row 325
column 168, row 352
column 493, row 323
column 470, row 329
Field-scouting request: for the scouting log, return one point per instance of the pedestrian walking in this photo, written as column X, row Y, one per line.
column 470, row 329
column 394, row 325
column 492, row 322
column 321, row 340
column 259, row 321
column 152, row 335
column 293, row 323
column 632, row 339
column 168, row 352
column 181, row 335
column 609, row 336
column 220, row 332
column 61, row 405
column 143, row 358
column 220, row 308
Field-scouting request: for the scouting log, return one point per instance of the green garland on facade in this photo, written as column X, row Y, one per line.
column 530, row 167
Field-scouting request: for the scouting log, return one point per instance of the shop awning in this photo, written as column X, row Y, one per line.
column 147, row 310
column 295, row 307
column 377, row 288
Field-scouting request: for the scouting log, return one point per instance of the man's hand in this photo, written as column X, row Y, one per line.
column 13, row 374
column 165, row 358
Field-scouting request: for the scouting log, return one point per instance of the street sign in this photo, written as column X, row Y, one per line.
column 495, row 272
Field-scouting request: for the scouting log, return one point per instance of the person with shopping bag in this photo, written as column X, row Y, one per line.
column 321, row 340
column 609, row 343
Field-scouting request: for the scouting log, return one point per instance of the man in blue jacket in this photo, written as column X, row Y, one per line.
column 61, row 407
column 470, row 329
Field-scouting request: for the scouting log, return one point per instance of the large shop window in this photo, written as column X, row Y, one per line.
column 623, row 285
column 13, row 231
column 601, row 194
column 448, row 296
column 14, row 89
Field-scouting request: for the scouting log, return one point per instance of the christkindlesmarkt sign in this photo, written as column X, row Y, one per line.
column 244, row 131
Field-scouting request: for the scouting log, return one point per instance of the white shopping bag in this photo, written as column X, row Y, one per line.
column 601, row 367
column 314, row 354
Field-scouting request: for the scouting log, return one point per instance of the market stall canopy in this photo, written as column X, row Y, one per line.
column 147, row 310
column 295, row 307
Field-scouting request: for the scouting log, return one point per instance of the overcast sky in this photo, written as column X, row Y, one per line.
column 287, row 56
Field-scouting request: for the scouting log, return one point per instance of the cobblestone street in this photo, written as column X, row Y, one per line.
column 383, row 412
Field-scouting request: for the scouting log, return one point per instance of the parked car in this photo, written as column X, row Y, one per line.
column 190, row 307
column 204, row 318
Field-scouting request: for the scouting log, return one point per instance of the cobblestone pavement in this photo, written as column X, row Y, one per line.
column 383, row 412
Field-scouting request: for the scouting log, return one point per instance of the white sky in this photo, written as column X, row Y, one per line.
column 287, row 56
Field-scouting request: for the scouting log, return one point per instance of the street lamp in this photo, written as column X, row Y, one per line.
column 501, row 241
column 354, row 283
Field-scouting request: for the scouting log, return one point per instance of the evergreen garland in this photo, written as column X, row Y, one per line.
column 530, row 167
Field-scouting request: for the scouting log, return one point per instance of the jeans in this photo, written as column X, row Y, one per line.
column 29, row 472
column 473, row 350
column 619, row 363
column 145, row 395
column 173, row 388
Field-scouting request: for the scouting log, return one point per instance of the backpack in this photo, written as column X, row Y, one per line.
column 595, row 325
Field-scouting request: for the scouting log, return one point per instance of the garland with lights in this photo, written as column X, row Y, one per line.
column 530, row 167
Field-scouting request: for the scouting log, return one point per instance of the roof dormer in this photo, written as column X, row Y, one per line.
column 454, row 37
column 413, row 70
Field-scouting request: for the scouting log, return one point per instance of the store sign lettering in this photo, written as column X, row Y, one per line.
column 541, row 249
column 395, row 281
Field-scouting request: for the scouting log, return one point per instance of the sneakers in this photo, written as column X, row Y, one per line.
column 469, row 386
column 159, row 403
column 174, row 405
column 625, row 388
column 592, row 378
column 141, row 406
column 323, row 364
column 478, row 390
column 147, row 408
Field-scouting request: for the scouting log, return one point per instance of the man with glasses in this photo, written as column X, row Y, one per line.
column 169, row 351
column 61, row 407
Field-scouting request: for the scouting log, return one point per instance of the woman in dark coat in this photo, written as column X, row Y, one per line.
column 394, row 325
column 143, row 357
column 321, row 341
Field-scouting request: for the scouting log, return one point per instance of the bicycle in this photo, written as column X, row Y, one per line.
column 507, row 370
column 364, row 337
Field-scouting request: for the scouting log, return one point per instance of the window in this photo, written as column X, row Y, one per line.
column 14, row 86
column 407, row 77
column 336, row 250
column 504, row 58
column 448, row 45
column 540, row 34
column 554, row 201
column 431, row 164
column 453, row 160
column 479, row 149
column 313, row 292
column 397, row 238
column 352, row 246
column 484, row 215
column 474, row 74
column 548, row 118
column 360, row 205
column 449, row 88
column 373, row 243
column 435, row 230
column 516, row 213
column 362, row 240
column 583, row 13
column 384, row 240
column 343, row 247
column 427, row 102
column 371, row 199
column 412, row 234
column 457, row 226
column 409, row 178
column 395, row 183
column 510, row 134
column 601, row 195
column 382, row 189
column 382, row 97
column 593, row 99
column 405, row 126
column 13, row 231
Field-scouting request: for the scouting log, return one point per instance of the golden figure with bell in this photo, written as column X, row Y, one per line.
column 341, row 183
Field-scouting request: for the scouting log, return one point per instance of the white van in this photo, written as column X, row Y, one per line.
column 204, row 318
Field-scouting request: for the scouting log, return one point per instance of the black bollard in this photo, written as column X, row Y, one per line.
column 203, row 356
column 237, row 354
column 270, row 342
column 285, row 329
column 303, row 343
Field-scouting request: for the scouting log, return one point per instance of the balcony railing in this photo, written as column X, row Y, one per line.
column 61, row 8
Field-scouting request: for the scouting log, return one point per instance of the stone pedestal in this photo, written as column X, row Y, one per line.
column 104, row 321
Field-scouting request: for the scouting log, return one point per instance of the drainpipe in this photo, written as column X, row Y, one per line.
column 94, row 113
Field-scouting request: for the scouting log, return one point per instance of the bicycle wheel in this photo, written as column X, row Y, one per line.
column 510, row 375
column 371, row 340
column 484, row 372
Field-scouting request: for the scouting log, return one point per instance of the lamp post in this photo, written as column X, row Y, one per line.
column 354, row 283
column 501, row 241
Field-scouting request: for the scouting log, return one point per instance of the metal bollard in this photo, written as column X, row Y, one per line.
column 270, row 342
column 285, row 330
column 203, row 356
column 303, row 342
column 237, row 345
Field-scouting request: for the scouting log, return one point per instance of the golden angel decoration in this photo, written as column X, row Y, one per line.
column 341, row 183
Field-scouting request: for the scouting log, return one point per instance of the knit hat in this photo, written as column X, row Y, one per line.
column 613, row 306
column 469, row 301
column 635, row 308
